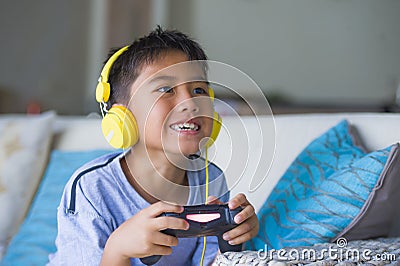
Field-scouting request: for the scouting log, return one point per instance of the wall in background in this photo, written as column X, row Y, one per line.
column 114, row 23
column 44, row 49
column 310, row 51
column 53, row 50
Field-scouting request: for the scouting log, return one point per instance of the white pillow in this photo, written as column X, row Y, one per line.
column 24, row 149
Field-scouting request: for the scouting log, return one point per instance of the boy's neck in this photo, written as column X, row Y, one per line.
column 155, row 178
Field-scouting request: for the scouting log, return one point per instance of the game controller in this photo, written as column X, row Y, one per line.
column 204, row 220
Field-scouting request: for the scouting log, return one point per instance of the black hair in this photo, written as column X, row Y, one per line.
column 144, row 51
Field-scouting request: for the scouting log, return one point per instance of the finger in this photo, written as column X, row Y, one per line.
column 160, row 207
column 162, row 239
column 241, row 239
column 213, row 200
column 239, row 200
column 249, row 226
column 245, row 214
column 164, row 222
column 157, row 250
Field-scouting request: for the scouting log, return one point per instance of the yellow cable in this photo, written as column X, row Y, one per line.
column 205, row 238
column 207, row 176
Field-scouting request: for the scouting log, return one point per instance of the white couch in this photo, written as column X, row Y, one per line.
column 292, row 134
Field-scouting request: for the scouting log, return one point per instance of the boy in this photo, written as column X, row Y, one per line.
column 109, row 212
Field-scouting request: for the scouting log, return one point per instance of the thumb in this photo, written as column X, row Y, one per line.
column 213, row 200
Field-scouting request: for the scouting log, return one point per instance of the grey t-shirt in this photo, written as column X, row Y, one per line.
column 98, row 199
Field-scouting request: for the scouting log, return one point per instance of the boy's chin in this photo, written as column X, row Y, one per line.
column 188, row 153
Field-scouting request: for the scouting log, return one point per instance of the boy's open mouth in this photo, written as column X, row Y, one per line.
column 186, row 126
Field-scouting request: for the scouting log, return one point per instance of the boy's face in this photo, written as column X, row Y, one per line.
column 172, row 108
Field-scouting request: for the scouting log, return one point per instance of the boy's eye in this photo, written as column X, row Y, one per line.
column 165, row 89
column 199, row 91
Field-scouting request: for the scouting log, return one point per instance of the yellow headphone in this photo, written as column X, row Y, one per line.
column 119, row 125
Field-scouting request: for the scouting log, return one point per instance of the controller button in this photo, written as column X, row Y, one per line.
column 203, row 217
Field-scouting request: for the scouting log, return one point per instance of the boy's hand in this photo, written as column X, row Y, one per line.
column 247, row 220
column 140, row 236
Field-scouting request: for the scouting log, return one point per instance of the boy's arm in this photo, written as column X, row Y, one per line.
column 148, row 240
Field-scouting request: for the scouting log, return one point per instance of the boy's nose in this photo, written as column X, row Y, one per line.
column 187, row 103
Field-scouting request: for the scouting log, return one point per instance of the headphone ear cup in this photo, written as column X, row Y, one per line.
column 120, row 128
column 103, row 91
column 211, row 93
column 217, row 124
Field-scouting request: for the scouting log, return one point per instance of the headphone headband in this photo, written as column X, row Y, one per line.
column 103, row 87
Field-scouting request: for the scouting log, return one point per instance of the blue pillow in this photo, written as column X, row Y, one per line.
column 302, row 209
column 35, row 238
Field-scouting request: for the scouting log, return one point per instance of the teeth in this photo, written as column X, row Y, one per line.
column 185, row 126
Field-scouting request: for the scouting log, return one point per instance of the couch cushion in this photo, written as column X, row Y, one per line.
column 322, row 191
column 35, row 239
column 24, row 147
column 78, row 134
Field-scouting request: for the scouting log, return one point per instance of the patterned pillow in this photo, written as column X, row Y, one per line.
column 24, row 148
column 323, row 191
